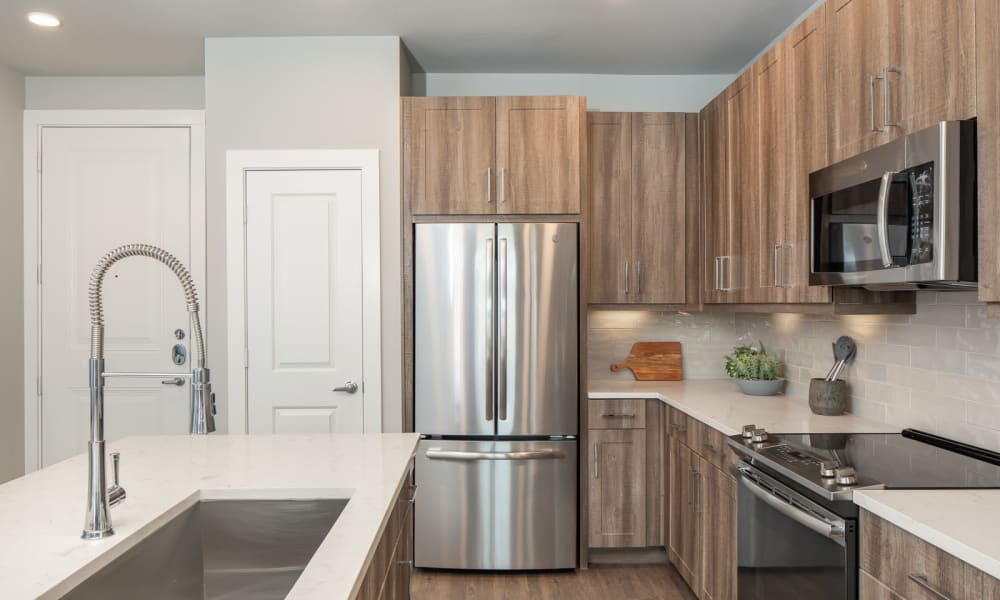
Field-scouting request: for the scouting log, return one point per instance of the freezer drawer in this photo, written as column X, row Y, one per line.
column 496, row 505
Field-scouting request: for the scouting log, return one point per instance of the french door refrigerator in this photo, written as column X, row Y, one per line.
column 496, row 392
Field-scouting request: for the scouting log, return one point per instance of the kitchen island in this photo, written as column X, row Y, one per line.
column 41, row 514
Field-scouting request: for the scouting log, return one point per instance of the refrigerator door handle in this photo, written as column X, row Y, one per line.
column 439, row 454
column 490, row 323
column 502, row 330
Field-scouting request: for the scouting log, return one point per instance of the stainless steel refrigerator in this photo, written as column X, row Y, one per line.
column 496, row 395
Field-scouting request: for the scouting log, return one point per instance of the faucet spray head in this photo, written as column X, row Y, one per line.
column 202, row 402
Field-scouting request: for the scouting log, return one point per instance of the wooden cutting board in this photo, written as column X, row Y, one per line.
column 653, row 361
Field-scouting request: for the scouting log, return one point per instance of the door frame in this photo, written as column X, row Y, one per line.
column 238, row 163
column 35, row 121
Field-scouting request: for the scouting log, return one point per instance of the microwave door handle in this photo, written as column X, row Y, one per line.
column 882, row 217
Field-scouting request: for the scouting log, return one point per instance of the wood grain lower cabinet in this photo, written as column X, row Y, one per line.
column 685, row 521
column 900, row 565
column 718, row 505
column 617, row 488
column 388, row 574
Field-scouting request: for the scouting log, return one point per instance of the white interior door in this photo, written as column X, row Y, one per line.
column 102, row 187
column 304, row 301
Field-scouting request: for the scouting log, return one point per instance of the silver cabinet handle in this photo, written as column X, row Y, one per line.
column 882, row 218
column 638, row 277
column 501, row 192
column 784, row 280
column 626, row 277
column 439, row 454
column 698, row 508
column 718, row 283
column 871, row 101
column 690, row 488
column 489, row 185
column 775, row 250
column 173, row 381
column 725, row 276
column 502, row 330
column 618, row 415
column 597, row 474
column 490, row 324
column 921, row 580
column 350, row 387
column 886, row 120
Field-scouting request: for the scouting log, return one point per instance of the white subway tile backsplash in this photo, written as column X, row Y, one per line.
column 938, row 370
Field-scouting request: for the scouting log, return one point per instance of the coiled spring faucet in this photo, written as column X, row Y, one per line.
column 100, row 498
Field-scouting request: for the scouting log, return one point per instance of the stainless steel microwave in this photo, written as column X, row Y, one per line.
column 901, row 216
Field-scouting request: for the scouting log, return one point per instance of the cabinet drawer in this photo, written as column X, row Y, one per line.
column 685, row 429
column 910, row 567
column 711, row 444
column 616, row 414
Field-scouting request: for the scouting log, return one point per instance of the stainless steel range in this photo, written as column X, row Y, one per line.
column 797, row 523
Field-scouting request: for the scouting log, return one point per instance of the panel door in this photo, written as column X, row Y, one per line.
column 937, row 57
column 743, row 160
column 609, row 162
column 659, row 207
column 539, row 154
column 718, row 505
column 715, row 196
column 304, row 301
column 807, row 149
column 448, row 155
column 859, row 48
column 617, row 488
column 772, row 175
column 685, row 521
column 454, row 328
column 102, row 187
column 537, row 329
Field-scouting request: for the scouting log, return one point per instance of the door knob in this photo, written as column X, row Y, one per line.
column 178, row 381
column 350, row 387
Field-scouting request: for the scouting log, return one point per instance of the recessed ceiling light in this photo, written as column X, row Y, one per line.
column 44, row 19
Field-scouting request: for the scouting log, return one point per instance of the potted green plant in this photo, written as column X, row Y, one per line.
column 754, row 370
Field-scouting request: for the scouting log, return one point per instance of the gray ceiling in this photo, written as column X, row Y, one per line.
column 164, row 37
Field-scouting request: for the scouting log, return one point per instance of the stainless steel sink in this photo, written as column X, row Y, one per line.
column 246, row 549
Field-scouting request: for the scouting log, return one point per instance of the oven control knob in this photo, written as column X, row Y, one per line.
column 846, row 476
column 828, row 469
column 759, row 435
column 748, row 431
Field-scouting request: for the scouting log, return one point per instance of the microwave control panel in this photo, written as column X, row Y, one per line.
column 921, row 214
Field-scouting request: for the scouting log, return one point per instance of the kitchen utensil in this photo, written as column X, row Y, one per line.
column 844, row 350
column 653, row 361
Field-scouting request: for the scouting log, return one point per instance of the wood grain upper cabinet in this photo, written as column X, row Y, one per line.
column 771, row 105
column 609, row 167
column 617, row 488
column 739, row 266
column 658, row 207
column 539, row 153
column 988, row 124
column 484, row 155
column 642, row 231
column 936, row 63
column 716, row 205
column 859, row 50
column 448, row 149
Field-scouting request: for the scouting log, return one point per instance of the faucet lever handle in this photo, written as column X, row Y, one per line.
column 115, row 460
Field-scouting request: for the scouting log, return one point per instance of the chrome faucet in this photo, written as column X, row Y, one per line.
column 100, row 498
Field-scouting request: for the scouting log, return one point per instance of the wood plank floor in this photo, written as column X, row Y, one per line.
column 603, row 582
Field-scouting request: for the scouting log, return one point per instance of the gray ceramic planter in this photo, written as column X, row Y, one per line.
column 760, row 388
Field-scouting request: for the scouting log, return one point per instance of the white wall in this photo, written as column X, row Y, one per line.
column 639, row 93
column 11, row 257
column 938, row 370
column 301, row 93
column 115, row 92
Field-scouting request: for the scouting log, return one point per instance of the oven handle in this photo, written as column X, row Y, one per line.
column 439, row 454
column 882, row 218
column 833, row 531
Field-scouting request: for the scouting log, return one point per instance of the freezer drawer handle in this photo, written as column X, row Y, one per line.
column 439, row 454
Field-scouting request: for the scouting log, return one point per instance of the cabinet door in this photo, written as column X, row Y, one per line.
column 715, row 196
column 807, row 150
column 609, row 148
column 539, row 151
column 743, row 166
column 859, row 48
column 772, row 118
column 873, row 589
column 988, row 123
column 718, row 505
column 937, row 59
column 685, row 521
column 617, row 488
column 658, row 207
column 448, row 160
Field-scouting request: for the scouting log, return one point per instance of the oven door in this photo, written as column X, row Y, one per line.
column 790, row 546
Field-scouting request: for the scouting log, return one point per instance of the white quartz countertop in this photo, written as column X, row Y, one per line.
column 721, row 405
column 960, row 522
column 41, row 514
